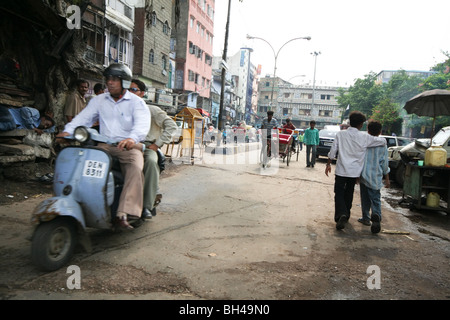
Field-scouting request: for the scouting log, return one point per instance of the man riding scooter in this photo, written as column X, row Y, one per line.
column 125, row 118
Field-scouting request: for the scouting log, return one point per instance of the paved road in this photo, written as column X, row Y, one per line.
column 227, row 229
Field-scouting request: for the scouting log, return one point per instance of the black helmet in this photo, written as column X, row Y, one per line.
column 121, row 71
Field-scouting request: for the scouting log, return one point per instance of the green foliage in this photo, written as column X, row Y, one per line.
column 436, row 81
column 363, row 96
column 385, row 102
column 387, row 113
column 402, row 87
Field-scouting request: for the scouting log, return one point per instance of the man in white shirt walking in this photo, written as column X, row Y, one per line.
column 351, row 145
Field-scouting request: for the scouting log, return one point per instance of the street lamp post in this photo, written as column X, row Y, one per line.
column 315, row 54
column 276, row 58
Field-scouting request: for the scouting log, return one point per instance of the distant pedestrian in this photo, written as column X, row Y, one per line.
column 75, row 101
column 311, row 140
column 351, row 145
column 268, row 124
column 376, row 166
column 99, row 88
column 300, row 140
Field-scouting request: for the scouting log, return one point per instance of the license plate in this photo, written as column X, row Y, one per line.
column 95, row 169
column 328, row 144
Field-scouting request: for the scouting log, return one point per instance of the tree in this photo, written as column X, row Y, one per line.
column 387, row 113
column 402, row 87
column 363, row 96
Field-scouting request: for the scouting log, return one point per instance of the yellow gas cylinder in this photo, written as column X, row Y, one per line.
column 435, row 156
column 433, row 199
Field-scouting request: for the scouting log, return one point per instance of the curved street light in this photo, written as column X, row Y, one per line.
column 275, row 54
column 300, row 75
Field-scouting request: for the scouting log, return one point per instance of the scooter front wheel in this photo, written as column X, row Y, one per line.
column 53, row 243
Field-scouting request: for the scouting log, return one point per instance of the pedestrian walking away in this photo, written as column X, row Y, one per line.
column 351, row 145
column 376, row 167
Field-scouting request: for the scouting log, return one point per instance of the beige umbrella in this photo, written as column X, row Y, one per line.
column 431, row 103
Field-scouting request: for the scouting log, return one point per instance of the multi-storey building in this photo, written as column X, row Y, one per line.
column 296, row 102
column 152, row 36
column 193, row 34
column 231, row 100
column 385, row 75
column 153, row 60
column 240, row 66
column 119, row 32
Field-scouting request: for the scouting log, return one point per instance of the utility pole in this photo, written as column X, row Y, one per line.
column 315, row 54
column 220, row 125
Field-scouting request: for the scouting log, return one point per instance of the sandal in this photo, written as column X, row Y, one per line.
column 157, row 200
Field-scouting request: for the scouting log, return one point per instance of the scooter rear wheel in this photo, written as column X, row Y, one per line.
column 53, row 243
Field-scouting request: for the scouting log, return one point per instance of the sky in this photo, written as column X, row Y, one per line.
column 354, row 37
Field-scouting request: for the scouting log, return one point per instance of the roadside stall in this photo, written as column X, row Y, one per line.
column 190, row 143
column 427, row 178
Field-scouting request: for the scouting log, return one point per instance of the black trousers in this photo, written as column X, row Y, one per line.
column 343, row 196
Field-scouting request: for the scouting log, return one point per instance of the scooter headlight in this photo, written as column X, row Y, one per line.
column 81, row 134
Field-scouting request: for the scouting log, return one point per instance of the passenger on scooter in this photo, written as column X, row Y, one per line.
column 123, row 117
column 162, row 130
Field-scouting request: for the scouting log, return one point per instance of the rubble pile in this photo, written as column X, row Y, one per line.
column 20, row 150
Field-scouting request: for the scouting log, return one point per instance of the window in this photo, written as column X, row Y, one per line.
column 154, row 19
column 191, row 47
column 208, row 59
column 151, row 57
column 191, row 22
column 166, row 27
column 198, row 27
column 191, row 75
column 164, row 62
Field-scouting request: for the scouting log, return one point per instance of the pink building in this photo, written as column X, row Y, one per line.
column 193, row 30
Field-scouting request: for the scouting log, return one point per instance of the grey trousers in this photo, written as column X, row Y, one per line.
column 151, row 178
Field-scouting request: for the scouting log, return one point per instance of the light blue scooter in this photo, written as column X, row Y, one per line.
column 87, row 188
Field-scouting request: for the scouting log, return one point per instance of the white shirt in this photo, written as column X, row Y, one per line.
column 351, row 145
column 129, row 117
